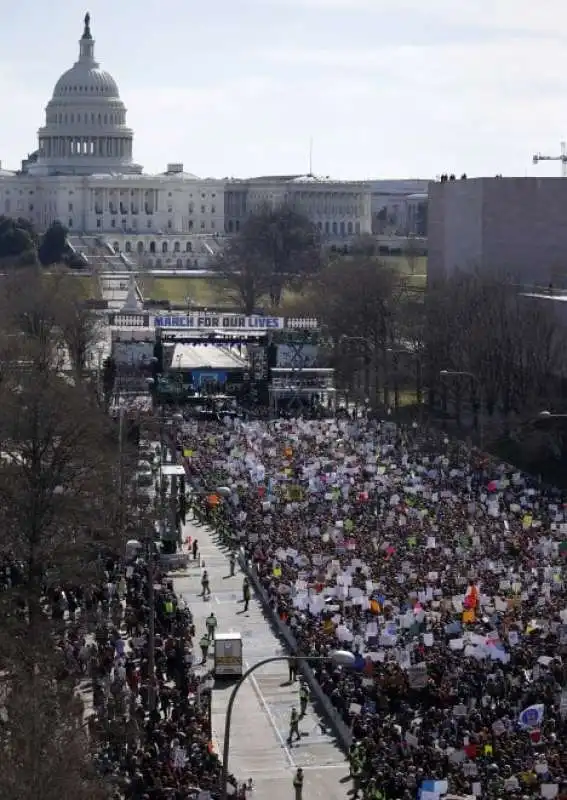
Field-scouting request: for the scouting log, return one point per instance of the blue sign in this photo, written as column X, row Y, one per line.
column 532, row 716
column 220, row 322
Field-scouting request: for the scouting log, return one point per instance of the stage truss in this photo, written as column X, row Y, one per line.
column 293, row 386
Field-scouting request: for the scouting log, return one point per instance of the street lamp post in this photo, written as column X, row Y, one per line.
column 450, row 373
column 549, row 415
column 342, row 658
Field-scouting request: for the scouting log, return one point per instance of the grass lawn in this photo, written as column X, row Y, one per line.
column 89, row 286
column 403, row 264
column 201, row 291
column 214, row 292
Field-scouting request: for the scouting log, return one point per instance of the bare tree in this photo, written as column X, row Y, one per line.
column 44, row 748
column 357, row 302
column 52, row 308
column 482, row 325
column 412, row 253
column 245, row 274
column 65, row 499
column 364, row 245
column 80, row 326
column 275, row 248
column 59, row 473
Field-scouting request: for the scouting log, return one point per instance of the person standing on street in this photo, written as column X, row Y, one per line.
column 232, row 563
column 246, row 594
column 204, row 643
column 303, row 700
column 211, row 623
column 205, row 585
column 292, row 669
column 298, row 784
column 195, row 549
column 293, row 727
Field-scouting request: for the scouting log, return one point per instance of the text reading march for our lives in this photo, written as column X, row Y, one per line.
column 225, row 321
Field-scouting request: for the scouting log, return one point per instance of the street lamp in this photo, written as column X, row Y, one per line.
column 456, row 373
column 342, row 658
column 549, row 415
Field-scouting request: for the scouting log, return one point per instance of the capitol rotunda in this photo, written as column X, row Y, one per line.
column 85, row 129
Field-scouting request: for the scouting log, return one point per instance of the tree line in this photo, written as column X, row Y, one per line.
column 22, row 246
column 386, row 332
column 65, row 505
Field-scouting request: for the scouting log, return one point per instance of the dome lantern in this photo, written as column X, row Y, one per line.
column 85, row 129
column 86, row 45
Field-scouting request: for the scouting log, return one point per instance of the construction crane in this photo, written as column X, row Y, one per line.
column 563, row 158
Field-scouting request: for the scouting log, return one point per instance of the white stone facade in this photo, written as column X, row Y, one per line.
column 399, row 207
column 83, row 174
column 339, row 209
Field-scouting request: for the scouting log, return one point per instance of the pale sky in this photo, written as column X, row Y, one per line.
column 386, row 88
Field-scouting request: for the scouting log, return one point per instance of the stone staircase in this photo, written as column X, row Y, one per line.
column 115, row 270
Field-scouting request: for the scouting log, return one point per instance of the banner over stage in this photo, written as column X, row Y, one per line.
column 221, row 321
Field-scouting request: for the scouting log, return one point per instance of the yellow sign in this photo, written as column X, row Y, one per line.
column 228, row 660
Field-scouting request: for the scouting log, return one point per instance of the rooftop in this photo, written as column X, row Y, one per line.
column 295, row 179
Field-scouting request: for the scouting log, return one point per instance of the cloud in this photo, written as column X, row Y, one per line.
column 323, row 5
column 223, row 98
column 491, row 69
column 543, row 17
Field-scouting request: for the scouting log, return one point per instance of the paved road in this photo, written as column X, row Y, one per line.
column 261, row 715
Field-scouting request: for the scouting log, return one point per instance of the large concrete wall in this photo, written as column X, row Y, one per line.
column 515, row 226
column 455, row 227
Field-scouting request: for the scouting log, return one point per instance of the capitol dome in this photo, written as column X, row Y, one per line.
column 83, row 80
column 85, row 129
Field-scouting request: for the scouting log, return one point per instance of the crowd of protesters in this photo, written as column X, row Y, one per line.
column 152, row 739
column 444, row 572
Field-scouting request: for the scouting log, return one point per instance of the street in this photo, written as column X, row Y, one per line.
column 261, row 716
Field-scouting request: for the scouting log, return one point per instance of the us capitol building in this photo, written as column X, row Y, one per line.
column 83, row 174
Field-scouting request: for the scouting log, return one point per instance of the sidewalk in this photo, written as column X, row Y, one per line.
column 261, row 715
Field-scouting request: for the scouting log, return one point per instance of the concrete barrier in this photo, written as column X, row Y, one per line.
column 341, row 731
